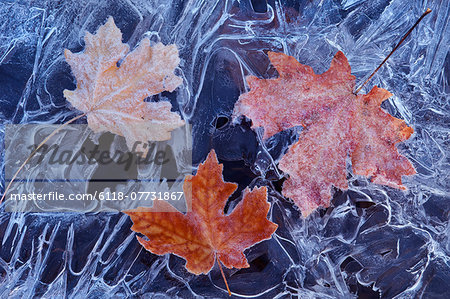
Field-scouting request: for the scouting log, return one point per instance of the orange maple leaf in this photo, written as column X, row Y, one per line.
column 337, row 124
column 113, row 96
column 205, row 233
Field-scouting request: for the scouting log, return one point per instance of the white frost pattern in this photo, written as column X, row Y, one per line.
column 374, row 240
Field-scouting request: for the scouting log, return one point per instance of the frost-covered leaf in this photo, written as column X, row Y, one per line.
column 113, row 96
column 337, row 124
column 206, row 233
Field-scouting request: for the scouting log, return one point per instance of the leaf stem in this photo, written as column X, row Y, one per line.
column 37, row 148
column 395, row 48
column 223, row 275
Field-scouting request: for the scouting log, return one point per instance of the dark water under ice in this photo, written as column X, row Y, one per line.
column 374, row 241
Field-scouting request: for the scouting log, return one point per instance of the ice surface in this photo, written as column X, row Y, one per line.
column 373, row 240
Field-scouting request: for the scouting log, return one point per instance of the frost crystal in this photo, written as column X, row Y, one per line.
column 372, row 240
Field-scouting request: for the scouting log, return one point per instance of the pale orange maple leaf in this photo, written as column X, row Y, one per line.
column 206, row 233
column 113, row 96
column 337, row 124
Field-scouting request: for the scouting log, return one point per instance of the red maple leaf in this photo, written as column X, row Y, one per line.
column 205, row 233
column 337, row 124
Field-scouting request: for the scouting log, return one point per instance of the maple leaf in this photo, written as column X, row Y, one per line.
column 113, row 96
column 205, row 233
column 337, row 124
